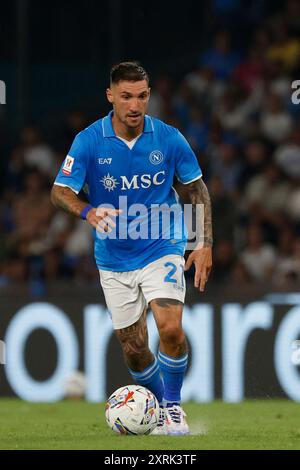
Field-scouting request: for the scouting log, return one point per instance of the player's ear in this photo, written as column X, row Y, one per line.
column 109, row 95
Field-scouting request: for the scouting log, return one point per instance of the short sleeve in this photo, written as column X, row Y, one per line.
column 74, row 168
column 187, row 168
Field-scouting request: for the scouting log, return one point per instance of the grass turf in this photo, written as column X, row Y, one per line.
column 260, row 424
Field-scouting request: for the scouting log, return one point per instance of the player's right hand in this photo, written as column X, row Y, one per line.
column 101, row 218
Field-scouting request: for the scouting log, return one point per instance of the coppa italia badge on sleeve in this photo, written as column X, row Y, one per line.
column 67, row 168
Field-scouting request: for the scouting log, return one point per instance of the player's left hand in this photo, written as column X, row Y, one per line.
column 202, row 259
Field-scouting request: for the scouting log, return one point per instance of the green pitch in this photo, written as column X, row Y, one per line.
column 269, row 424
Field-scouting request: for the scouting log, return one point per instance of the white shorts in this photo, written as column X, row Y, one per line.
column 128, row 293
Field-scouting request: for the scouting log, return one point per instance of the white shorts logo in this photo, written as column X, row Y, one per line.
column 68, row 165
column 156, row 157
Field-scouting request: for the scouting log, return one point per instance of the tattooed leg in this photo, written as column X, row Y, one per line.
column 134, row 342
column 168, row 317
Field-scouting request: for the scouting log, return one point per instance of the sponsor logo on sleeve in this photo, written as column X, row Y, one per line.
column 68, row 165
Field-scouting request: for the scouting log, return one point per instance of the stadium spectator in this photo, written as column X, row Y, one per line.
column 293, row 206
column 288, row 267
column 284, row 48
column 292, row 17
column 276, row 123
column 224, row 260
column 255, row 158
column 161, row 97
column 258, row 257
column 31, row 212
column 287, row 156
column 249, row 72
column 204, row 86
column 36, row 152
column 227, row 167
column 267, row 192
column 221, row 58
column 234, row 108
column 223, row 211
column 197, row 131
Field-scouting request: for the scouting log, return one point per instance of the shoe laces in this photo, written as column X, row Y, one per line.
column 175, row 413
column 162, row 417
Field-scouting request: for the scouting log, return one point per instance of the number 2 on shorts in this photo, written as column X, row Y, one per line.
column 169, row 278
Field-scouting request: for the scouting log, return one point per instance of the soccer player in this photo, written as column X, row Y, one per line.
column 128, row 154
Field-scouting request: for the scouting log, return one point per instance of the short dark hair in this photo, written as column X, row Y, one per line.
column 130, row 71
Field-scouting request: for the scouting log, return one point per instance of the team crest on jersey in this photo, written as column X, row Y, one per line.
column 68, row 165
column 109, row 182
column 156, row 157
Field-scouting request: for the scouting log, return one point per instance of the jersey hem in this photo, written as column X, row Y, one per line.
column 66, row 186
column 161, row 254
column 190, row 179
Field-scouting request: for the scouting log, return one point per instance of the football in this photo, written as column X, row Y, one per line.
column 132, row 410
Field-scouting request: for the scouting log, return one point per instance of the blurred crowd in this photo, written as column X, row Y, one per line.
column 235, row 109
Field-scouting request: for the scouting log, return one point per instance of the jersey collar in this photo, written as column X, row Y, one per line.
column 108, row 130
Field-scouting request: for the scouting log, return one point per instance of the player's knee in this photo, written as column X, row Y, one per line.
column 172, row 334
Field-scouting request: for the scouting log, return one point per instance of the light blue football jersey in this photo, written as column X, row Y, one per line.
column 116, row 176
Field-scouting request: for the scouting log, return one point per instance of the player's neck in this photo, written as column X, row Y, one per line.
column 127, row 133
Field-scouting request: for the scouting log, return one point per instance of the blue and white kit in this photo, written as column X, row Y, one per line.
column 108, row 169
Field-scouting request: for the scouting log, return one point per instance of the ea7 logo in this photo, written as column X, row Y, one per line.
column 104, row 161
column 2, row 92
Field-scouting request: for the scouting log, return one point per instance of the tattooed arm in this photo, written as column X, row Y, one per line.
column 199, row 195
column 64, row 198
column 202, row 255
